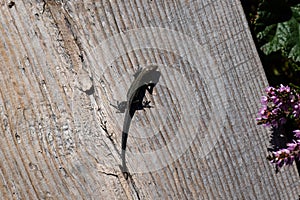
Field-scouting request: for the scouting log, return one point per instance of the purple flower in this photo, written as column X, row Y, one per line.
column 297, row 133
column 263, row 110
column 281, row 105
column 296, row 111
column 284, row 88
column 292, row 146
column 275, row 99
column 270, row 90
column 286, row 156
column 276, row 111
column 264, row 100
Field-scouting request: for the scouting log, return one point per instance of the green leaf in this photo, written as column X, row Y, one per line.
column 283, row 34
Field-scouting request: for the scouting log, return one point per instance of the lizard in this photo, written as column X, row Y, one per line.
column 145, row 80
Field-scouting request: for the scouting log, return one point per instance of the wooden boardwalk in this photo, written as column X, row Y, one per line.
column 64, row 62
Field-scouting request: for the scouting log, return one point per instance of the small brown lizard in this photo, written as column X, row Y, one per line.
column 145, row 80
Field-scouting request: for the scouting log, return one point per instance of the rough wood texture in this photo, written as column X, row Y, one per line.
column 64, row 62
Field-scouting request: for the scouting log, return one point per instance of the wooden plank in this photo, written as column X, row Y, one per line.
column 62, row 65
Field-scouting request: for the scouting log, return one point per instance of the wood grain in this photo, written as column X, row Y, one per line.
column 64, row 62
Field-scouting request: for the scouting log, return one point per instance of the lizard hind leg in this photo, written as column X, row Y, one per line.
column 121, row 106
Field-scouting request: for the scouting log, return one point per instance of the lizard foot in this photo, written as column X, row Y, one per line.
column 146, row 104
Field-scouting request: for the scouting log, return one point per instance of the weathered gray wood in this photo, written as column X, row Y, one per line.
column 63, row 63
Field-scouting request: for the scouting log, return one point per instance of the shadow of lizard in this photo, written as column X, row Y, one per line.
column 145, row 80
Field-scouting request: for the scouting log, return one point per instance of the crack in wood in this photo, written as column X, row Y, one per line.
column 109, row 174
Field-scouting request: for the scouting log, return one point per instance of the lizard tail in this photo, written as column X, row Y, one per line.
column 124, row 140
column 124, row 167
